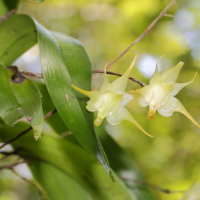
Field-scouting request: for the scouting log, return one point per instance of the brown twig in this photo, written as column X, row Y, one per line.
column 15, row 138
column 31, row 183
column 13, row 165
column 7, row 15
column 151, row 185
column 27, row 130
column 116, row 74
column 140, row 37
column 39, row 75
column 50, row 113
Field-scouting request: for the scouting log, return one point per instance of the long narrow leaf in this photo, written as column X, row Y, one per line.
column 58, row 82
column 6, row 6
column 10, row 109
column 17, row 35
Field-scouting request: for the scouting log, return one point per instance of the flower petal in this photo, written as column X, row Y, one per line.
column 106, row 103
column 106, row 86
column 169, row 76
column 93, row 95
column 93, row 103
column 142, row 102
column 119, row 85
column 165, row 102
column 126, row 98
column 156, row 77
column 138, row 91
column 178, row 86
column 123, row 114
column 142, row 91
column 176, row 106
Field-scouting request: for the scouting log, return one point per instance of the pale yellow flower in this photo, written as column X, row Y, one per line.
column 110, row 100
column 159, row 94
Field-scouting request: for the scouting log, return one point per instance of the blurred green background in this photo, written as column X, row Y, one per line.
column 106, row 27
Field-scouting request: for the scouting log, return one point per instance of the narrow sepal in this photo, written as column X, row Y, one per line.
column 156, row 77
column 119, row 85
column 176, row 106
column 92, row 104
column 106, row 86
column 178, row 86
column 87, row 93
column 169, row 76
column 123, row 114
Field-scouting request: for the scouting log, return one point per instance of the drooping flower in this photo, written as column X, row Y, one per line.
column 159, row 94
column 110, row 100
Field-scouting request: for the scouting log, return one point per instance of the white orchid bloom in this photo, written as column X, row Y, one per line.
column 159, row 94
column 110, row 100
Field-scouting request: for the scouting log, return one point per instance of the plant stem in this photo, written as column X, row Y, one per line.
column 116, row 74
column 140, row 37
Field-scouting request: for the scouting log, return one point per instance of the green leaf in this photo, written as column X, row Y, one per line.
column 55, row 121
column 56, row 183
column 71, row 160
column 9, row 161
column 6, row 6
column 17, row 35
column 10, row 109
column 20, row 100
column 30, row 99
column 122, row 164
column 61, row 58
column 38, row 1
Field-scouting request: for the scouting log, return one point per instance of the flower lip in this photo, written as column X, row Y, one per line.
column 151, row 113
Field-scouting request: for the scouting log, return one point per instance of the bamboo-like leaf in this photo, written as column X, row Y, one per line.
column 17, row 35
column 38, row 1
column 69, row 161
column 123, row 165
column 20, row 100
column 62, row 58
column 57, row 183
column 30, row 99
column 6, row 6
column 10, row 109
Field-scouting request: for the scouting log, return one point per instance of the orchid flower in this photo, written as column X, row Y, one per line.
column 159, row 94
column 110, row 100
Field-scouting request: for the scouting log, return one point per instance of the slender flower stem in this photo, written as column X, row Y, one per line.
column 7, row 15
column 116, row 74
column 32, row 183
column 140, row 37
column 26, row 131
column 39, row 75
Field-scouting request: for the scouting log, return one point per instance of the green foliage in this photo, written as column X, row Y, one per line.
column 6, row 6
column 16, row 38
column 20, row 100
column 60, row 166
column 57, row 73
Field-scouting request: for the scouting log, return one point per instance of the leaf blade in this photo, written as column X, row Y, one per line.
column 17, row 35
column 58, row 81
column 10, row 109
